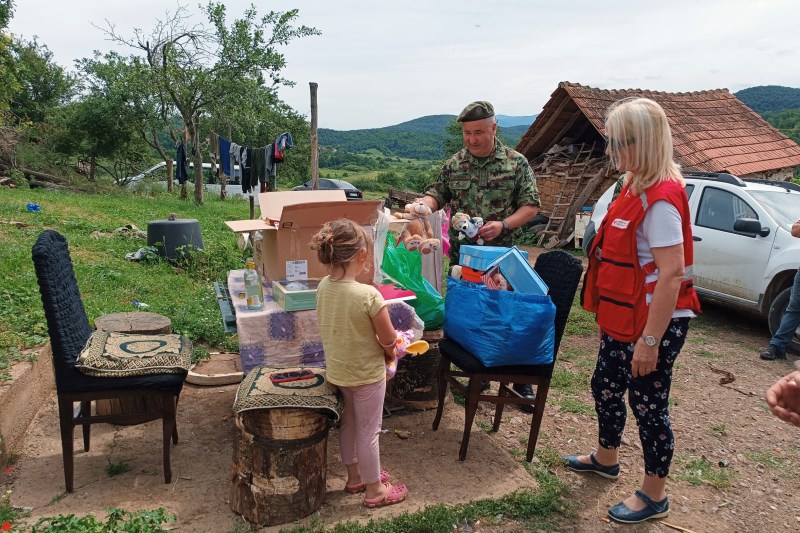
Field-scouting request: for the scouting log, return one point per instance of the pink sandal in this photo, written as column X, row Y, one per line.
column 361, row 487
column 394, row 494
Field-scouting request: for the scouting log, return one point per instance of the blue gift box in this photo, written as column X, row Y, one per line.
column 480, row 257
column 520, row 274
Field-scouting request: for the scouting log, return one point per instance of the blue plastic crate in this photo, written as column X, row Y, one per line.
column 480, row 257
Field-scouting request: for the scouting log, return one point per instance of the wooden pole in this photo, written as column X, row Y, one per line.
column 314, row 139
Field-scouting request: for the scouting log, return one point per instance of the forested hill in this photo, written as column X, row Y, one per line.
column 766, row 98
column 421, row 138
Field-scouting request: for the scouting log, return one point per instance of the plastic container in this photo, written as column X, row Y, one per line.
column 253, row 289
column 480, row 257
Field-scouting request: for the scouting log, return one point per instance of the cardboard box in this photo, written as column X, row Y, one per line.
column 295, row 295
column 288, row 221
column 519, row 273
column 480, row 257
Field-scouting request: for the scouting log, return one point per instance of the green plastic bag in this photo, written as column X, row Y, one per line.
column 405, row 268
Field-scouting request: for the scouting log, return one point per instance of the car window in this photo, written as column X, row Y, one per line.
column 719, row 209
column 783, row 206
column 325, row 183
column 689, row 189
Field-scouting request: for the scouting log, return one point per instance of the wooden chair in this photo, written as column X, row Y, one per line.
column 561, row 272
column 69, row 331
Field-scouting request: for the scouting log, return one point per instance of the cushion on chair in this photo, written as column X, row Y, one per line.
column 110, row 354
column 463, row 359
column 257, row 391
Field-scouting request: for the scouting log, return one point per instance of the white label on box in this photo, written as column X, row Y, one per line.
column 296, row 270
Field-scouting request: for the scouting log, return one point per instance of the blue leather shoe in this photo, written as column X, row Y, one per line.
column 609, row 472
column 654, row 509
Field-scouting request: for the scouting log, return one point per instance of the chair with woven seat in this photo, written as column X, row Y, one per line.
column 562, row 273
column 70, row 331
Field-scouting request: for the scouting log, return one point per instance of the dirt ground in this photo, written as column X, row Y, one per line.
column 724, row 424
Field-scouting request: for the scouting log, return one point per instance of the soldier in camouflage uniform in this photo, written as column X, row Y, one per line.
column 486, row 179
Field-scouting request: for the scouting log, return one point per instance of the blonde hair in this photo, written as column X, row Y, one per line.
column 338, row 242
column 641, row 125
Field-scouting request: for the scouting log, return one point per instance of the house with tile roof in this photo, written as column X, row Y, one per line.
column 712, row 131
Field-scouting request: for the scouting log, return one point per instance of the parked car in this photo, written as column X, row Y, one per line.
column 327, row 183
column 744, row 253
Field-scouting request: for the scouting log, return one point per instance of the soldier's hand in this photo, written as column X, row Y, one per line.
column 491, row 230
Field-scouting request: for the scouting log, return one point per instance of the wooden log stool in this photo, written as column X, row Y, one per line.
column 415, row 385
column 279, row 464
column 142, row 323
column 281, row 444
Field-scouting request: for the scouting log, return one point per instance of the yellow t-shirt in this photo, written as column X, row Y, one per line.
column 344, row 314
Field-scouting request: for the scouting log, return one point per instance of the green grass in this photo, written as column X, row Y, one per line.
column 766, row 459
column 699, row 471
column 718, row 430
column 108, row 283
column 115, row 469
column 536, row 509
column 580, row 322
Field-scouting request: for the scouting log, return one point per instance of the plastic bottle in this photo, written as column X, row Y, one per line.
column 254, row 292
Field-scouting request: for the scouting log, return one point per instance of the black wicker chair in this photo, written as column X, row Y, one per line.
column 69, row 331
column 561, row 272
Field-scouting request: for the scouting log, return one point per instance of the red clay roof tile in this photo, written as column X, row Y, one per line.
column 712, row 130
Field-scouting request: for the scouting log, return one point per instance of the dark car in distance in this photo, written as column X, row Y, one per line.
column 327, row 184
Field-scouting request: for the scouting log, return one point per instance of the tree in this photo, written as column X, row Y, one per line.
column 41, row 84
column 128, row 83
column 196, row 66
column 9, row 83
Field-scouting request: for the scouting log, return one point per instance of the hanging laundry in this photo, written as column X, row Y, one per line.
column 225, row 156
column 180, row 159
column 283, row 142
column 246, row 168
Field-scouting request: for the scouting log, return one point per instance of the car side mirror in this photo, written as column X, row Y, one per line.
column 750, row 226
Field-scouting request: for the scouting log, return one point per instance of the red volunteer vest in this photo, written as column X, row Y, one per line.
column 614, row 287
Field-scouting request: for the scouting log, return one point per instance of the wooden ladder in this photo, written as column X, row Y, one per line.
column 570, row 188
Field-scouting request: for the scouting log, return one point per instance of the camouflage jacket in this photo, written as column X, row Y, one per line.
column 492, row 189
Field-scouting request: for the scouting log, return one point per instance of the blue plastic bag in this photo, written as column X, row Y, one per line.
column 500, row 327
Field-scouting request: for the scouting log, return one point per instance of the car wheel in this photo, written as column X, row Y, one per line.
column 776, row 310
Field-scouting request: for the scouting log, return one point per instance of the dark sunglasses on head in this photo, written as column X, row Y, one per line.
column 617, row 145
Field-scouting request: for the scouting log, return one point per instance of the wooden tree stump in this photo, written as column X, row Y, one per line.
column 135, row 322
column 279, row 464
column 414, row 385
column 138, row 322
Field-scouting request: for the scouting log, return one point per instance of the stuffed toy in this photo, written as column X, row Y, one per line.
column 418, row 234
column 405, row 345
column 467, row 226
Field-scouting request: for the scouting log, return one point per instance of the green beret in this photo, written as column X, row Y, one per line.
column 476, row 111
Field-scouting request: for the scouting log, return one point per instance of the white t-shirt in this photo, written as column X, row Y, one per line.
column 661, row 227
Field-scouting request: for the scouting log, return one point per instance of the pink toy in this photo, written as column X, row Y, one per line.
column 405, row 345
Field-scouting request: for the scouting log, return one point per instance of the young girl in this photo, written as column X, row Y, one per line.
column 359, row 340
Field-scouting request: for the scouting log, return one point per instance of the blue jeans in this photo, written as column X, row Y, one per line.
column 790, row 319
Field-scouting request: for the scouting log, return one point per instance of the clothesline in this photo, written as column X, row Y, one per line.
column 256, row 166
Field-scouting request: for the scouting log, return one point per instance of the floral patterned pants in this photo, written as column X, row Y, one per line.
column 648, row 396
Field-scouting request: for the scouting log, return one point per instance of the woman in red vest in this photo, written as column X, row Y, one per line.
column 639, row 285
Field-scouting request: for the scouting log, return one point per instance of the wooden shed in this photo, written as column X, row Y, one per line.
column 712, row 131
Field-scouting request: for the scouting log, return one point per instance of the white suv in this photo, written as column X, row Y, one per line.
column 744, row 254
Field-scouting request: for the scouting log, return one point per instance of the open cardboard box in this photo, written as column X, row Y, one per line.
column 288, row 221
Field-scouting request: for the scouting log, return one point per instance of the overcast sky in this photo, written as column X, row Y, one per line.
column 379, row 63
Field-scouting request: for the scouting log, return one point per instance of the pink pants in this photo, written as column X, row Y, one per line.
column 361, row 427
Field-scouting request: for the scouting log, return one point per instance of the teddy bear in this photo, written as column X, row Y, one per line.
column 418, row 234
column 467, row 226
